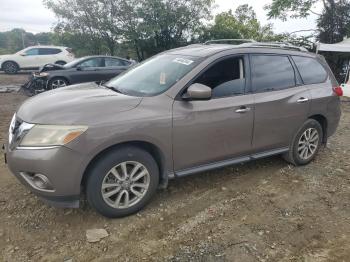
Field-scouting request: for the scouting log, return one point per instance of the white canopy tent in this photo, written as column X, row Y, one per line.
column 341, row 47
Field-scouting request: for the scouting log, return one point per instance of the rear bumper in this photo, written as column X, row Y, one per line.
column 60, row 165
column 334, row 114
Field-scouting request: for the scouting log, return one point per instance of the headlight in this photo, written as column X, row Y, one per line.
column 51, row 135
column 43, row 74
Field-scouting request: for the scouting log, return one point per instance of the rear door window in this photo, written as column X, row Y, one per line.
column 112, row 62
column 225, row 78
column 272, row 72
column 311, row 71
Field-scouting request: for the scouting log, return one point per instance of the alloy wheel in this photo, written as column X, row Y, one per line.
column 308, row 143
column 125, row 184
column 10, row 68
column 58, row 83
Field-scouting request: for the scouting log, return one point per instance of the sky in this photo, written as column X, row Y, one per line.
column 32, row 15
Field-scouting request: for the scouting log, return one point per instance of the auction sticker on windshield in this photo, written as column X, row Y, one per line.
column 183, row 61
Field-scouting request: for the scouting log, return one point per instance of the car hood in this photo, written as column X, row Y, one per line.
column 83, row 104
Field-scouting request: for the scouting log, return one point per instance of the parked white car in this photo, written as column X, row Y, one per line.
column 34, row 57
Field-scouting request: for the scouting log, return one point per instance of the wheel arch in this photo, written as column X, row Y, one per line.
column 322, row 120
column 152, row 149
column 2, row 64
column 60, row 62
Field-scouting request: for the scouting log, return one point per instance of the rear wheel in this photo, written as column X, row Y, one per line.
column 306, row 143
column 10, row 67
column 57, row 82
column 122, row 182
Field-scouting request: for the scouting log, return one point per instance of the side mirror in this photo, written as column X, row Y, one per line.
column 79, row 68
column 23, row 54
column 197, row 92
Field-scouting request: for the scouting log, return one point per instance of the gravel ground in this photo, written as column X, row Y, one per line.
column 265, row 210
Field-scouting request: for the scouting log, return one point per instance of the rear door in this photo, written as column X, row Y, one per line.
column 208, row 131
column 48, row 55
column 281, row 101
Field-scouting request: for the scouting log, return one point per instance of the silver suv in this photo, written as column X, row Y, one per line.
column 184, row 111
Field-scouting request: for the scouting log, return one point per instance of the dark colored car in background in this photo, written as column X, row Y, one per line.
column 85, row 69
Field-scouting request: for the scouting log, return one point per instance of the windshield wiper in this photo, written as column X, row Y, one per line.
column 116, row 89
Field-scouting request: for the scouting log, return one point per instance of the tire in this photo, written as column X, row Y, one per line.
column 306, row 143
column 10, row 67
column 103, row 179
column 57, row 82
column 60, row 62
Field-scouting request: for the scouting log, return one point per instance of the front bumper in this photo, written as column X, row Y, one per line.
column 62, row 166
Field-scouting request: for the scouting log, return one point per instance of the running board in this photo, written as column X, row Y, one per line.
column 229, row 162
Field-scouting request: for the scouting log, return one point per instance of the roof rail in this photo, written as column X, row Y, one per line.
column 238, row 41
column 281, row 45
column 253, row 43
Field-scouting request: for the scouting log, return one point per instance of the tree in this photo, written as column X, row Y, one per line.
column 150, row 26
column 240, row 24
column 291, row 8
column 95, row 19
column 332, row 23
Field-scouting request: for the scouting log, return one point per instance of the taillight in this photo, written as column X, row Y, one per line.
column 338, row 91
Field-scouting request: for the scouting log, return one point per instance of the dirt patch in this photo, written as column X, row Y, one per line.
column 265, row 210
column 14, row 80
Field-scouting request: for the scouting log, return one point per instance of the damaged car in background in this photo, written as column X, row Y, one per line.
column 86, row 69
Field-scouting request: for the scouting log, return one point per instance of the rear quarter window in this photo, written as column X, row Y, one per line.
column 311, row 71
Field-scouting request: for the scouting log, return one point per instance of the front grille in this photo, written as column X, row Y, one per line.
column 14, row 131
column 18, row 123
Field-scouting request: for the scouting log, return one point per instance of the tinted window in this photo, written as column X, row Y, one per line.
column 32, row 51
column 49, row 51
column 115, row 62
column 92, row 62
column 226, row 78
column 270, row 72
column 311, row 71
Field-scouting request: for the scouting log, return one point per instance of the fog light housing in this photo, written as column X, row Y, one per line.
column 41, row 181
column 38, row 181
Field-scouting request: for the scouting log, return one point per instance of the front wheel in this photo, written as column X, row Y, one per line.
column 305, row 144
column 57, row 82
column 122, row 182
column 10, row 67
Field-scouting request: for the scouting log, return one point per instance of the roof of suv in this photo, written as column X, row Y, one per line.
column 46, row 46
column 205, row 50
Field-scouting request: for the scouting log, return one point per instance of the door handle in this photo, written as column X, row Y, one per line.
column 302, row 100
column 242, row 110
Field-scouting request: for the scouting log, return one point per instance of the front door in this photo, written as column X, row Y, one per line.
column 218, row 129
column 30, row 58
column 88, row 71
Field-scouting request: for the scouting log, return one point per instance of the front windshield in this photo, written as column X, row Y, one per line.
column 153, row 76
